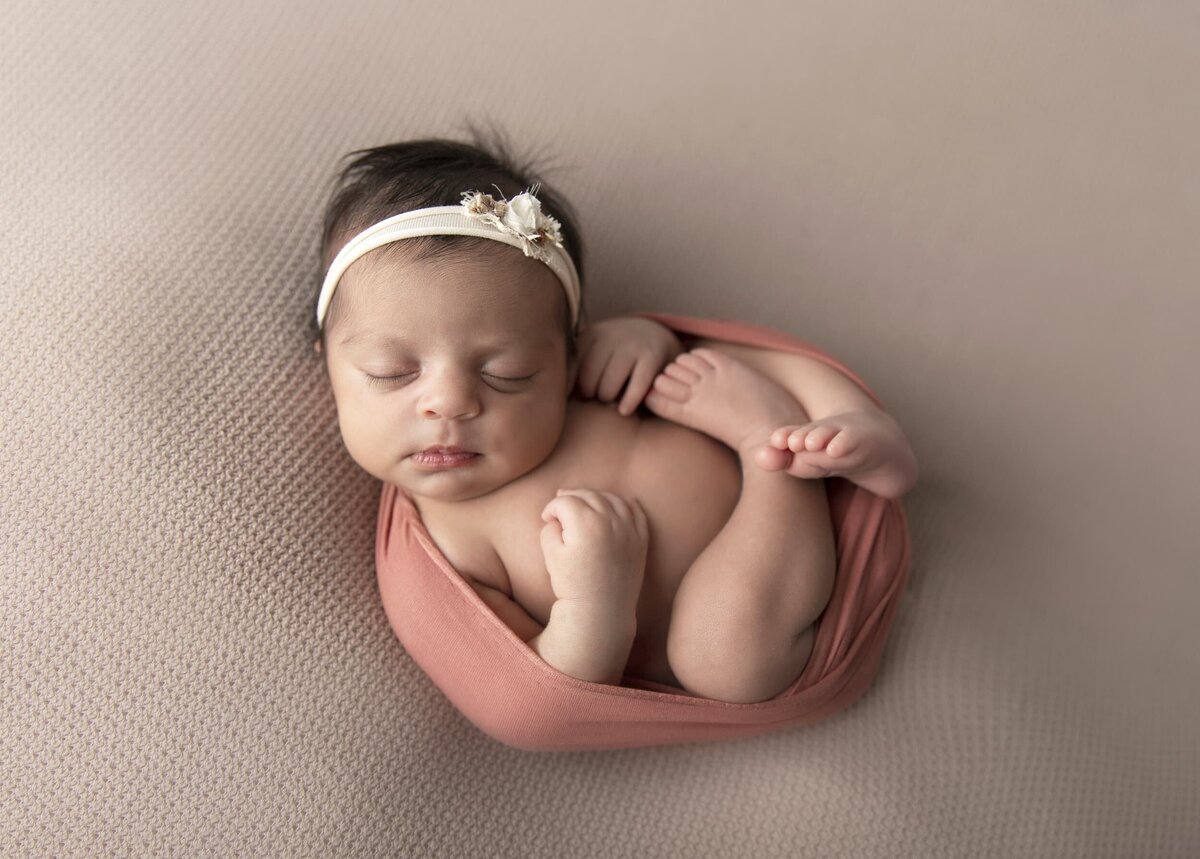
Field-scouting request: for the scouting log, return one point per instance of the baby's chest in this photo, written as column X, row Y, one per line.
column 687, row 483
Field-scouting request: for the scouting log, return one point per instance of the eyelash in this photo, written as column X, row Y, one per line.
column 383, row 380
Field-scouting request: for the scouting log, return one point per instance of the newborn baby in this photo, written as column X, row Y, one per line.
column 624, row 501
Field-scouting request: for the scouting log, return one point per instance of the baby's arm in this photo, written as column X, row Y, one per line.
column 595, row 544
column 586, row 641
column 589, row 642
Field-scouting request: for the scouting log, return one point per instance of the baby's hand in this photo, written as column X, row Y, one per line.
column 595, row 546
column 623, row 349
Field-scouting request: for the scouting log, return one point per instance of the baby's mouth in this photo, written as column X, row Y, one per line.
column 451, row 450
column 440, row 456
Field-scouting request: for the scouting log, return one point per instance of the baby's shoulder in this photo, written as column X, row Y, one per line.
column 465, row 539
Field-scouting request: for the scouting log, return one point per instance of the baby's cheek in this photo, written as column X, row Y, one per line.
column 548, row 425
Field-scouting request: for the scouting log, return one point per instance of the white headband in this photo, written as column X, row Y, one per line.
column 518, row 222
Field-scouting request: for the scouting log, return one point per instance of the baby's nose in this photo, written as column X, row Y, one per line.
column 450, row 400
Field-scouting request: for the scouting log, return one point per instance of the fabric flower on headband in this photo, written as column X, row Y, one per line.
column 521, row 216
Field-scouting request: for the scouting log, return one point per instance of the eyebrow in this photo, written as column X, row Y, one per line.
column 394, row 340
column 363, row 337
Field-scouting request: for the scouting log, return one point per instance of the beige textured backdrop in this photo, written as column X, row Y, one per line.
column 990, row 211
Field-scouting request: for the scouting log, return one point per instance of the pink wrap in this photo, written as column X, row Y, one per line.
column 507, row 691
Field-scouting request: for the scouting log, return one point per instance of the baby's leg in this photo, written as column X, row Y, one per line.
column 741, row 626
column 848, row 435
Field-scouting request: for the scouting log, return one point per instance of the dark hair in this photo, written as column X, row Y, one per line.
column 414, row 174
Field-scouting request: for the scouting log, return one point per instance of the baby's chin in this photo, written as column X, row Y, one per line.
column 452, row 485
column 455, row 495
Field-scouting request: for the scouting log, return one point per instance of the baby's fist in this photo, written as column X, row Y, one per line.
column 595, row 546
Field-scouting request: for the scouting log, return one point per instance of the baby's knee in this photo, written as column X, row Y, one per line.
column 748, row 673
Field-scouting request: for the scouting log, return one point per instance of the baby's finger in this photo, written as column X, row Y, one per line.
column 552, row 532
column 605, row 503
column 551, row 511
column 639, row 384
column 618, row 504
column 614, row 505
column 564, row 509
column 588, row 497
column 614, row 377
column 591, row 367
column 639, row 519
column 573, row 514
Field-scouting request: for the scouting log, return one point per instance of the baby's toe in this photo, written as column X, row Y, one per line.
column 797, row 439
column 671, row 388
column 819, row 437
column 844, row 443
column 770, row 458
column 709, row 358
column 694, row 361
column 780, row 437
column 675, row 370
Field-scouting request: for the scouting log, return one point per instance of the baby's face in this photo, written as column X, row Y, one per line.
column 476, row 354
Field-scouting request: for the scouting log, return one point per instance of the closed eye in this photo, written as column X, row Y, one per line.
column 382, row 380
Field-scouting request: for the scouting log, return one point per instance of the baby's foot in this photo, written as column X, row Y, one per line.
column 864, row 446
column 723, row 397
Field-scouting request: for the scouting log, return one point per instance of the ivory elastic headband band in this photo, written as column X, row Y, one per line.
column 519, row 222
